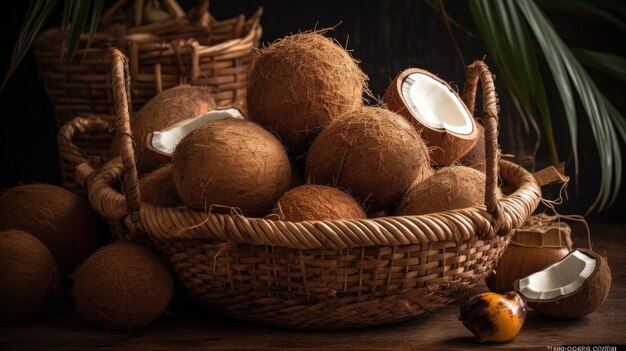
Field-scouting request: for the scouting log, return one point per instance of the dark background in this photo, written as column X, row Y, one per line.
column 386, row 36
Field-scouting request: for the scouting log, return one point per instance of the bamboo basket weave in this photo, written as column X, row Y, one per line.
column 191, row 48
column 324, row 274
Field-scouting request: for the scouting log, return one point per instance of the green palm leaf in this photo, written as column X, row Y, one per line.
column 38, row 12
column 602, row 61
column 506, row 36
column 601, row 116
column 510, row 28
column 589, row 9
column 75, row 12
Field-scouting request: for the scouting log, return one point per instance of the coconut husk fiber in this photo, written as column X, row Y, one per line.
column 449, row 188
column 122, row 286
column 301, row 83
column 157, row 188
column 373, row 153
column 62, row 220
column 163, row 110
column 29, row 276
column 231, row 162
column 317, row 202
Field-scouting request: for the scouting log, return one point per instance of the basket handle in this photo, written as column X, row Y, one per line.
column 70, row 152
column 121, row 92
column 475, row 71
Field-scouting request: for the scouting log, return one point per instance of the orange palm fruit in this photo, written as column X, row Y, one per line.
column 493, row 317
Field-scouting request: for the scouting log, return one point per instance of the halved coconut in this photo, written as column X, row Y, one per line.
column 435, row 110
column 571, row 288
column 164, row 142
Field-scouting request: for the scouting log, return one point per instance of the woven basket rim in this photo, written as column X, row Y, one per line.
column 163, row 223
column 50, row 37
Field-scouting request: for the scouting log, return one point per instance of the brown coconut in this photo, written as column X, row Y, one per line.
column 317, row 202
column 301, row 83
column 29, row 275
column 62, row 220
column 581, row 302
column 163, row 110
column 122, row 286
column 449, row 188
column 475, row 158
column 446, row 146
column 157, row 188
column 231, row 162
column 373, row 153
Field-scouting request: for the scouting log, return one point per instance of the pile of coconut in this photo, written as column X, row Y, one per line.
column 49, row 249
column 308, row 148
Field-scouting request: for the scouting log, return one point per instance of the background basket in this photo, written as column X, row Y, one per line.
column 324, row 274
column 192, row 48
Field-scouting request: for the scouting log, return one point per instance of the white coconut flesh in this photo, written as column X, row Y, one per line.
column 165, row 141
column 559, row 279
column 434, row 105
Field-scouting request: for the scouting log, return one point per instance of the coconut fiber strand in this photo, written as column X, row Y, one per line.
column 301, row 83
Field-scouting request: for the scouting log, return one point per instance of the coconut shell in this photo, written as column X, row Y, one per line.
column 584, row 300
column 122, row 286
column 62, row 220
column 299, row 84
column 29, row 275
column 446, row 147
column 475, row 158
column 373, row 153
column 449, row 188
column 317, row 202
column 231, row 162
column 163, row 110
column 541, row 241
column 157, row 188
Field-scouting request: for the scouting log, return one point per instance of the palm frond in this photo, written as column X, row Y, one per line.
column 80, row 12
column 566, row 70
column 75, row 16
column 38, row 12
column 96, row 11
column 602, row 61
column 509, row 43
column 589, row 9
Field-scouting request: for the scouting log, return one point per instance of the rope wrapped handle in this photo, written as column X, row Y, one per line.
column 70, row 152
column 478, row 70
column 121, row 94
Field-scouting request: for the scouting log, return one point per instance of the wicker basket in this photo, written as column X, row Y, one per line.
column 185, row 50
column 324, row 274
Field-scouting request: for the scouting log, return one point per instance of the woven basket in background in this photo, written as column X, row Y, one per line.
column 191, row 48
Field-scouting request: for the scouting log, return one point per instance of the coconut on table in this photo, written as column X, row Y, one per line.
column 572, row 288
column 29, row 276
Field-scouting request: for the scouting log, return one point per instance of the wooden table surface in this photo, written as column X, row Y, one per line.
column 61, row 329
